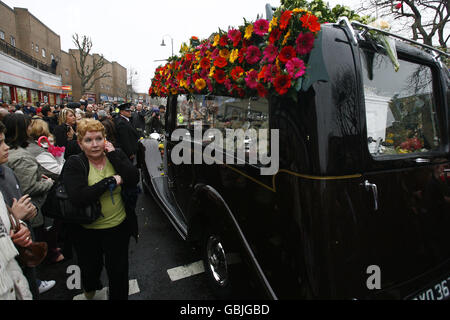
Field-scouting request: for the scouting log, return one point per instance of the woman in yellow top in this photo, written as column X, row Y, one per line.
column 102, row 175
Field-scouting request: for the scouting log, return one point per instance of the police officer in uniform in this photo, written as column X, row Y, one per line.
column 127, row 136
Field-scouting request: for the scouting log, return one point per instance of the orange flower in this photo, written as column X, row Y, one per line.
column 224, row 53
column 311, row 22
column 200, row 84
column 285, row 19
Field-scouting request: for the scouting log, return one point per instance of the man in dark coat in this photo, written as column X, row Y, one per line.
column 138, row 120
column 127, row 136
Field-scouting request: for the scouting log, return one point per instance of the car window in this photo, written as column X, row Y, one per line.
column 225, row 114
column 400, row 106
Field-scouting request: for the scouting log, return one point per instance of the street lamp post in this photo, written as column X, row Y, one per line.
column 163, row 43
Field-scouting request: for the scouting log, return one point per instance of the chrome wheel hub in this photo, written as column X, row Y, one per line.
column 217, row 261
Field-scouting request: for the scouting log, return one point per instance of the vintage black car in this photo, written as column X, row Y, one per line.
column 362, row 189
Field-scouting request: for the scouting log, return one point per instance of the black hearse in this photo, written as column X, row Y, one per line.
column 360, row 207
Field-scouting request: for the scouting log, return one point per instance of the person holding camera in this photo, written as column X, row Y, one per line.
column 65, row 133
column 49, row 116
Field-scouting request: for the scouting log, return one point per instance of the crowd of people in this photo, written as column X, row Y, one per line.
column 92, row 149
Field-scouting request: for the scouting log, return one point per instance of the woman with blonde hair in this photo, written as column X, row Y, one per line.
column 65, row 133
column 101, row 174
column 52, row 166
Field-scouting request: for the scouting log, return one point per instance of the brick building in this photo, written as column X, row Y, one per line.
column 28, row 47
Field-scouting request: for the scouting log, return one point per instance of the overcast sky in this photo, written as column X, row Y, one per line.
column 130, row 32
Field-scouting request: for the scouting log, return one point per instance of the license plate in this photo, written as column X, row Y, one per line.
column 440, row 291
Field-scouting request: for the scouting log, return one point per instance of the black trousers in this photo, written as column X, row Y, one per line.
column 98, row 248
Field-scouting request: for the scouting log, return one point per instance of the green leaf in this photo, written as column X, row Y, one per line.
column 299, row 84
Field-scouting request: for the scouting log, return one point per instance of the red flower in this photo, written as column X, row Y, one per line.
column 311, row 22
column 242, row 54
column 223, row 41
column 274, row 35
column 253, row 55
column 262, row 92
column 205, row 63
column 189, row 56
column 261, row 27
column 305, row 43
column 220, row 76
column 235, row 36
column 221, row 62
column 285, row 19
column 399, row 5
column 270, row 53
column 287, row 53
column 237, row 73
column 282, row 84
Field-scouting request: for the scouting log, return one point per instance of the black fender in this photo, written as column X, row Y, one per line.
column 208, row 205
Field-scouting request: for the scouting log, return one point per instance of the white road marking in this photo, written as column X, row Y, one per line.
column 197, row 268
column 183, row 272
column 103, row 294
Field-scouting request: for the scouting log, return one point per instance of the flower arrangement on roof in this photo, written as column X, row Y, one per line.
column 254, row 59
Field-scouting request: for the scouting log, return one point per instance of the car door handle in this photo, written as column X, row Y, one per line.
column 372, row 187
column 422, row 160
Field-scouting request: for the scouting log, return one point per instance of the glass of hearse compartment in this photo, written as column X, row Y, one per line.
column 227, row 114
column 400, row 106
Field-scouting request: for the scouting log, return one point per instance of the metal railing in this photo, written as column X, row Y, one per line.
column 24, row 57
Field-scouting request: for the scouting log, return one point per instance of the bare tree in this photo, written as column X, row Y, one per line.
column 88, row 73
column 425, row 20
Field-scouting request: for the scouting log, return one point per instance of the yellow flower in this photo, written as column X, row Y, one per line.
column 286, row 38
column 174, row 91
column 234, row 55
column 216, row 40
column 299, row 10
column 211, row 72
column 273, row 24
column 224, row 53
column 184, row 48
column 183, row 83
column 200, row 84
column 248, row 32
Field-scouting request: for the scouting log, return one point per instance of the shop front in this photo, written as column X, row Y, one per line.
column 22, row 83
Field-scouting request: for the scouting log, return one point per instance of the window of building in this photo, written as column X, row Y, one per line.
column 37, row 48
column 13, row 41
column 401, row 110
column 32, row 46
column 52, row 56
column 5, row 94
column 67, row 72
column 2, row 35
column 44, row 53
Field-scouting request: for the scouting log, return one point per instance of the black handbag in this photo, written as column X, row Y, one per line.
column 59, row 206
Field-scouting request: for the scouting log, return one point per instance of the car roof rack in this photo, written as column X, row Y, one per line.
column 351, row 26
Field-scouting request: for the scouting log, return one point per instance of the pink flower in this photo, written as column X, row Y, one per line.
column 305, row 43
column 261, row 27
column 228, row 85
column 215, row 54
column 209, row 84
column 271, row 53
column 253, row 55
column 399, row 5
column 252, row 79
column 296, row 68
